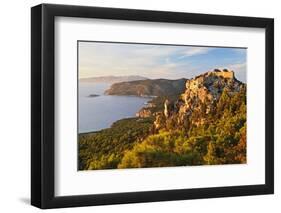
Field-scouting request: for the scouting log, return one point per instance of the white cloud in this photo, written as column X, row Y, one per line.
column 191, row 51
column 97, row 59
column 238, row 67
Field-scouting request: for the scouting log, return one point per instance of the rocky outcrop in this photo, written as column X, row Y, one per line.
column 145, row 112
column 200, row 96
column 93, row 95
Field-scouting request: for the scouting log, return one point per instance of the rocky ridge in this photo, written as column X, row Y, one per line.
column 199, row 98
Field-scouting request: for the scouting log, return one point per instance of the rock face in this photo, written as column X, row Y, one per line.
column 145, row 112
column 200, row 96
column 168, row 108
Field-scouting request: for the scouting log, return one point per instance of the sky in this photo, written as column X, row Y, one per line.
column 157, row 61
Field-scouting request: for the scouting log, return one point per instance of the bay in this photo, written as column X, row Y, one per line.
column 99, row 112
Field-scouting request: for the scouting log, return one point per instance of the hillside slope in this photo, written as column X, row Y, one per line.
column 157, row 87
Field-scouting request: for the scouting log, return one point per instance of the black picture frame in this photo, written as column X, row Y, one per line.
column 43, row 105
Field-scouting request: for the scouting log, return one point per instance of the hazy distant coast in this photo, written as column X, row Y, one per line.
column 111, row 79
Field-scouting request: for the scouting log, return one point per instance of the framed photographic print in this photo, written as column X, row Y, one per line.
column 139, row 106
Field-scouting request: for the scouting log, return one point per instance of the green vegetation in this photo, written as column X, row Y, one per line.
column 104, row 149
column 163, row 149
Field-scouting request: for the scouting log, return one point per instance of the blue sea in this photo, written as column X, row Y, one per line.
column 96, row 113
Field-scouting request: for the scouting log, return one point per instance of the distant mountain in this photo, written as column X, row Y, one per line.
column 112, row 79
column 148, row 87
